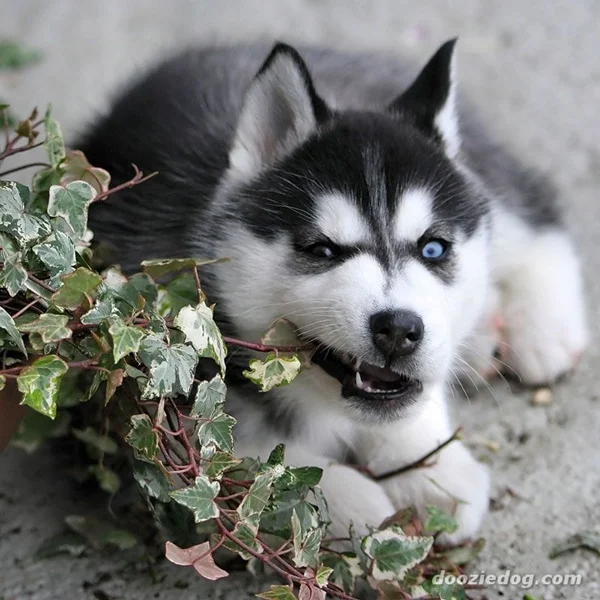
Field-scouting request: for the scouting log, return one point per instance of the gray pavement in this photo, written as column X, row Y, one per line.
column 533, row 69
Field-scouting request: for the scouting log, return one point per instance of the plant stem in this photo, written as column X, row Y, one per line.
column 421, row 461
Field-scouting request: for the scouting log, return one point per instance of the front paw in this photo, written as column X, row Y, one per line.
column 455, row 482
column 544, row 313
column 353, row 499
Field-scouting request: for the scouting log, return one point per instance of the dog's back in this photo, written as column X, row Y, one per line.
column 180, row 118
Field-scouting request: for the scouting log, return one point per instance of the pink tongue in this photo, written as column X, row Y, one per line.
column 373, row 372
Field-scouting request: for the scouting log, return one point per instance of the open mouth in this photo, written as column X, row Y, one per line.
column 364, row 380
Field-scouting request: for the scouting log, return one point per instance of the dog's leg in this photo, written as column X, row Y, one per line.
column 542, row 301
column 452, row 480
column 352, row 497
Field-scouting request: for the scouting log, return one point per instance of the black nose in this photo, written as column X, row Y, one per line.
column 397, row 332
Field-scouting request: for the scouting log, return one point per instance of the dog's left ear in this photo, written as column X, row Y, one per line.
column 280, row 111
column 430, row 101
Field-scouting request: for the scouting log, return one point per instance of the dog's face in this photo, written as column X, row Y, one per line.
column 360, row 229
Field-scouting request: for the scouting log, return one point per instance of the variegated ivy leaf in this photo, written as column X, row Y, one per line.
column 218, row 463
column 58, row 255
column 13, row 275
column 306, row 543
column 210, row 398
column 75, row 288
column 246, row 535
column 278, row 592
column 39, row 383
column 394, row 553
column 152, row 480
column 159, row 267
column 345, row 569
column 72, row 203
column 274, row 371
column 202, row 332
column 126, row 338
column 257, row 499
column 142, row 438
column 322, row 575
column 76, row 167
column 199, row 498
column 104, row 309
column 14, row 218
column 51, row 327
column 438, row 521
column 218, row 431
column 54, row 143
column 171, row 367
column 7, row 324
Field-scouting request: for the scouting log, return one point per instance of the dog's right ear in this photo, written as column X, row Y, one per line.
column 280, row 111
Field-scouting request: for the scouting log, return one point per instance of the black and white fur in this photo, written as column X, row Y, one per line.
column 266, row 165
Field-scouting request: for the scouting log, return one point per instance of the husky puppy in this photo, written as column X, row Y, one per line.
column 354, row 201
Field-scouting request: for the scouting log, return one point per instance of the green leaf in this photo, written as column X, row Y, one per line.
column 394, row 553
column 589, row 540
column 274, row 371
column 39, row 384
column 114, row 380
column 445, row 591
column 7, row 324
column 219, row 463
column 306, row 543
column 438, row 521
column 199, row 498
column 57, row 253
column 344, row 569
column 152, row 480
column 142, row 437
column 210, row 398
column 157, row 268
column 126, row 338
column 71, row 203
column 278, row 592
column 100, row 534
column 76, row 287
column 14, row 55
column 76, row 167
column 36, row 428
column 51, row 327
column 257, row 498
column 171, row 367
column 14, row 219
column 322, row 575
column 102, row 443
column 179, row 293
column 463, row 555
column 146, row 288
column 202, row 332
column 54, row 142
column 217, row 431
column 298, row 477
column 69, row 543
column 107, row 479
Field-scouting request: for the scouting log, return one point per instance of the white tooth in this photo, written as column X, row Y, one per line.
column 359, row 382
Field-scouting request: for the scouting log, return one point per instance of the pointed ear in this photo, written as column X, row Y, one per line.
column 430, row 101
column 280, row 111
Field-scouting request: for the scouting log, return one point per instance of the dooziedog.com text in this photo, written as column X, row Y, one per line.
column 526, row 581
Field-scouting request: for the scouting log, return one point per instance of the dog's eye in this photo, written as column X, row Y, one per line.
column 324, row 250
column 434, row 249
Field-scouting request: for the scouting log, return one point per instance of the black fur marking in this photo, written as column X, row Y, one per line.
column 423, row 100
column 371, row 159
column 320, row 109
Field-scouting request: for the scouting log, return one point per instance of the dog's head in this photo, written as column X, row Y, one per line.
column 361, row 228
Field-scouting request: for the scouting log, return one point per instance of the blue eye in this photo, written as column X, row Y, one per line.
column 434, row 249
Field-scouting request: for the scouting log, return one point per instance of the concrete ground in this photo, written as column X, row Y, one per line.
column 532, row 67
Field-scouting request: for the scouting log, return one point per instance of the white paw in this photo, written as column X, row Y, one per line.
column 456, row 483
column 544, row 312
column 355, row 499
